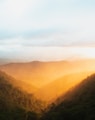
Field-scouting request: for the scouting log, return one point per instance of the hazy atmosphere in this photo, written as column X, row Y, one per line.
column 47, row 59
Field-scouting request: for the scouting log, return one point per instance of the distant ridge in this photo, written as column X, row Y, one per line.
column 36, row 72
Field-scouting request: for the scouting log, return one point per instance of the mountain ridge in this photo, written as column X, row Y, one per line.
column 77, row 104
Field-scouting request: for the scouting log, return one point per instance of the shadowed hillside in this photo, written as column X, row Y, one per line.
column 77, row 104
column 22, row 85
column 16, row 104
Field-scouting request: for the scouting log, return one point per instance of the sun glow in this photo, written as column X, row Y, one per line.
column 49, row 80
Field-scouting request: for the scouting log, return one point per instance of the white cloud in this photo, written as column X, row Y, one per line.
column 53, row 23
column 41, row 14
column 19, row 53
column 13, row 13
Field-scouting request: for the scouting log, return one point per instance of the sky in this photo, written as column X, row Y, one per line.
column 46, row 29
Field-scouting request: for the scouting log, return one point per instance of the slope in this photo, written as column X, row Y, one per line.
column 39, row 74
column 35, row 73
column 16, row 104
column 60, row 86
column 77, row 104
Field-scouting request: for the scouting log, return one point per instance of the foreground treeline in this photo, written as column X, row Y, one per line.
column 16, row 104
column 77, row 104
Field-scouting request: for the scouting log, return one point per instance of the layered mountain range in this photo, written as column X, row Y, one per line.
column 47, row 90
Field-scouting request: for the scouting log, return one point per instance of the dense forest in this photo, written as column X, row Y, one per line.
column 77, row 104
column 16, row 104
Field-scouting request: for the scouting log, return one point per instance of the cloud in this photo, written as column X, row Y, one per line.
column 19, row 53
column 32, row 25
column 31, row 15
column 60, row 39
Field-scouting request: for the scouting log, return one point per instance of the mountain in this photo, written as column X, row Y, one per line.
column 4, row 61
column 36, row 73
column 15, row 104
column 39, row 74
column 60, row 86
column 22, row 85
column 77, row 104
